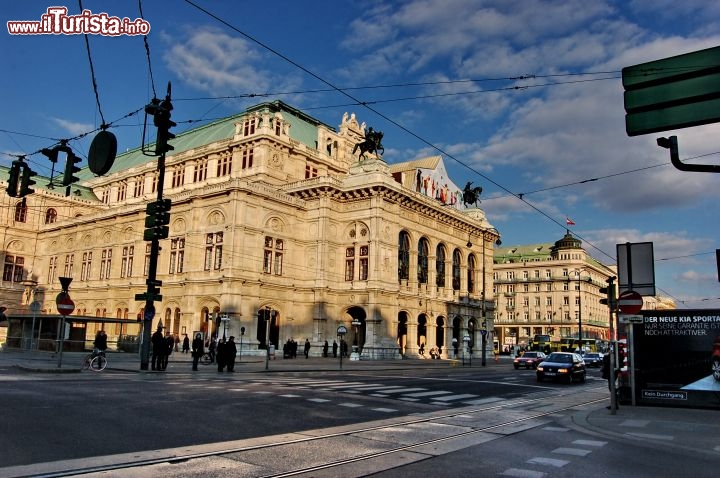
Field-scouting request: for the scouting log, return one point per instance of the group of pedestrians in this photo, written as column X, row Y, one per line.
column 162, row 348
column 225, row 354
column 222, row 353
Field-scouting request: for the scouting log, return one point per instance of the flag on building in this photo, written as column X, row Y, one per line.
column 569, row 221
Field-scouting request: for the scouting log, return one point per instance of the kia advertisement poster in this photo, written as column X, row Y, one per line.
column 677, row 358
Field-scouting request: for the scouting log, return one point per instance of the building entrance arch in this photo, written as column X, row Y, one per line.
column 421, row 341
column 358, row 327
column 402, row 331
column 440, row 334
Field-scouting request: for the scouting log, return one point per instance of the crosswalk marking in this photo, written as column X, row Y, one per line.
column 571, row 451
column 454, row 397
column 548, row 461
column 427, row 394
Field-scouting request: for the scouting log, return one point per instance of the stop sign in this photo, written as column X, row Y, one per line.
column 630, row 302
column 65, row 304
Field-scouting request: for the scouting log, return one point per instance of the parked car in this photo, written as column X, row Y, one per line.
column 593, row 359
column 562, row 365
column 716, row 359
column 529, row 360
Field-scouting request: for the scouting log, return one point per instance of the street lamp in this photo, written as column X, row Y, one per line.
column 579, row 287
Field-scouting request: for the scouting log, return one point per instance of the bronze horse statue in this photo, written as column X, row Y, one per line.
column 371, row 144
column 471, row 195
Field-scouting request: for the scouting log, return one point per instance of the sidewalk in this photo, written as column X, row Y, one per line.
column 693, row 430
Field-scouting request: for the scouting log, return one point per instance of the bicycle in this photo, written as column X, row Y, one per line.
column 95, row 361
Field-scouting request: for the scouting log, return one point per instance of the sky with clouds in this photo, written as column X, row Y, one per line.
column 522, row 97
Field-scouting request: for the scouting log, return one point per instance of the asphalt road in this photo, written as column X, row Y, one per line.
column 55, row 417
column 492, row 421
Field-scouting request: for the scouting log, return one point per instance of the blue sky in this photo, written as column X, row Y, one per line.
column 519, row 96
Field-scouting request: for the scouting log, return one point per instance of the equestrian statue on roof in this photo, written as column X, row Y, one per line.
column 371, row 144
column 471, row 195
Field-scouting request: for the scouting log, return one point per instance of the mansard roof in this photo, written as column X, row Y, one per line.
column 303, row 129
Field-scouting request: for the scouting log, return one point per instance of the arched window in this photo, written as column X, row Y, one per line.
column 21, row 212
column 456, row 270
column 50, row 216
column 423, row 247
column 404, row 256
column 440, row 265
column 471, row 273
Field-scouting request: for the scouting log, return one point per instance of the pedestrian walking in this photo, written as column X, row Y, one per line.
column 197, row 350
column 335, row 347
column 169, row 345
column 609, row 377
column 186, row 344
column 220, row 356
column 307, row 348
column 158, row 348
column 230, row 353
column 325, row 349
column 212, row 349
column 177, row 343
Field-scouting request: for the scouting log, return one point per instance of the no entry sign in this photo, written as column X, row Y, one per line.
column 630, row 302
column 65, row 304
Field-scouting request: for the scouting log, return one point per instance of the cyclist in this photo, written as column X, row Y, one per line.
column 100, row 343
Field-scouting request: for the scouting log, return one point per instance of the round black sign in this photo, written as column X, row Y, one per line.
column 103, row 150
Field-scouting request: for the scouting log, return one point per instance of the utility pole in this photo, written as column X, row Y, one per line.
column 157, row 220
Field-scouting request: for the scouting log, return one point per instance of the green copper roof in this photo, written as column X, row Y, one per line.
column 303, row 128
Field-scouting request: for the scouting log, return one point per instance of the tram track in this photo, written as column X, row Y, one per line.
column 362, row 447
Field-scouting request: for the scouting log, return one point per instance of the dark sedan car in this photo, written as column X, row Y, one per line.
column 565, row 366
column 529, row 360
column 593, row 359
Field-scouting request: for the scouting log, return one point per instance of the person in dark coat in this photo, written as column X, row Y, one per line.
column 609, row 376
column 230, row 353
column 198, row 350
column 307, row 348
column 335, row 347
column 101, row 341
column 212, row 349
column 158, row 348
column 325, row 349
column 221, row 354
column 169, row 344
column 186, row 344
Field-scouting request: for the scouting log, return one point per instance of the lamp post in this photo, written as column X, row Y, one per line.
column 579, row 287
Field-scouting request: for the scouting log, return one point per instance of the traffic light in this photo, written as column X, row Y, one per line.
column 609, row 292
column 164, row 123
column 70, row 169
column 26, row 182
column 157, row 220
column 14, row 178
column 161, row 112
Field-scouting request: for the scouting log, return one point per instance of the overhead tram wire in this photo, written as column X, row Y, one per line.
column 391, row 121
column 427, row 83
column 147, row 53
column 92, row 74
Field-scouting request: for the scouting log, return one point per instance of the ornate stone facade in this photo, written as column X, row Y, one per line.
column 270, row 210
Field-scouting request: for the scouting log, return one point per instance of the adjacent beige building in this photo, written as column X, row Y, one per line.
column 552, row 289
column 271, row 209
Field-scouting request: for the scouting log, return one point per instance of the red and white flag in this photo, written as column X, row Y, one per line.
column 569, row 221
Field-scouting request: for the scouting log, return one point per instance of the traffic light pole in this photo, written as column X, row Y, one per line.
column 613, row 340
column 152, row 291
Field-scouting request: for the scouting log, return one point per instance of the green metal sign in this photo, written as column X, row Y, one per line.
column 676, row 92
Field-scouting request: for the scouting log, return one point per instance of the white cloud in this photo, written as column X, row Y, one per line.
column 220, row 64
column 73, row 127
